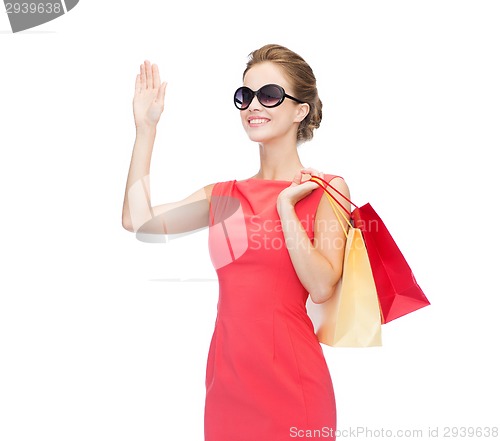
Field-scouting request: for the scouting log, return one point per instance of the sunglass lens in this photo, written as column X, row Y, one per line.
column 270, row 96
column 243, row 97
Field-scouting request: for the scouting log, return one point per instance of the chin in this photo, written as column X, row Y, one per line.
column 259, row 139
column 255, row 136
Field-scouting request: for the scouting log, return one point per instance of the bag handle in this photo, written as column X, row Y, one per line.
column 337, row 211
column 334, row 203
column 324, row 183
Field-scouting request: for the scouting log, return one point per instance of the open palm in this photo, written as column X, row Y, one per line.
column 149, row 96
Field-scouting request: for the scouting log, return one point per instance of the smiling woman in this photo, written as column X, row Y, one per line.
column 271, row 112
column 297, row 70
column 270, row 241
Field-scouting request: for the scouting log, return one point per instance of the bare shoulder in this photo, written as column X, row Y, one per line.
column 339, row 184
column 208, row 191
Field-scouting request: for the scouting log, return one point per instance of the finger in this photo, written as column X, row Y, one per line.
column 156, row 76
column 312, row 184
column 297, row 178
column 138, row 83
column 162, row 92
column 311, row 171
column 306, row 174
column 144, row 78
column 149, row 75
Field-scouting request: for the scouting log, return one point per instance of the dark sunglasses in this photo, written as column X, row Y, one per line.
column 270, row 95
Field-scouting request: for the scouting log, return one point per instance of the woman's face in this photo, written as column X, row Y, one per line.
column 264, row 124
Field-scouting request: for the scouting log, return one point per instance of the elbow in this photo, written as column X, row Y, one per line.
column 321, row 295
column 324, row 292
column 127, row 224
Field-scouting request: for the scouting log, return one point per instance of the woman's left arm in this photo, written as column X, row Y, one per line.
column 318, row 264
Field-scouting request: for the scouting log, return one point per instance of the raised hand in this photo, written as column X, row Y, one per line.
column 149, row 96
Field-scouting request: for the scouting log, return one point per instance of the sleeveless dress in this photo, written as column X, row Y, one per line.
column 266, row 377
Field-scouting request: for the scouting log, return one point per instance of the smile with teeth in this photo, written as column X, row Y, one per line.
column 258, row 121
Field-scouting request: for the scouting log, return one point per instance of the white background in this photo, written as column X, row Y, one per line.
column 104, row 337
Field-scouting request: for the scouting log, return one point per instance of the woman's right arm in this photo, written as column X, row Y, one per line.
column 138, row 215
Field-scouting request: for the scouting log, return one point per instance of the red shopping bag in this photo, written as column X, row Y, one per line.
column 397, row 290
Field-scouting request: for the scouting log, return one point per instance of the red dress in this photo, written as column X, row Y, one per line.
column 266, row 378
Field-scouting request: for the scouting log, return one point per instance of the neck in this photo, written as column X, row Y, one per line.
column 279, row 160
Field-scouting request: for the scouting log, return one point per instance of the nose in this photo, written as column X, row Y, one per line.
column 255, row 104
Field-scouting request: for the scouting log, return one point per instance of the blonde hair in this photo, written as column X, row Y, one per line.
column 302, row 79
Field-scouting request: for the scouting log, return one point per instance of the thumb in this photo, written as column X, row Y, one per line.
column 161, row 94
column 297, row 178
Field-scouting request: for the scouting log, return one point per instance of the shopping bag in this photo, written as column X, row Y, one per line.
column 351, row 317
column 397, row 290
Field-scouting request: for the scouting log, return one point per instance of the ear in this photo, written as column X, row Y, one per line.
column 302, row 112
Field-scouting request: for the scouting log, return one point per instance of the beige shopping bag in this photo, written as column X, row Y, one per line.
column 351, row 317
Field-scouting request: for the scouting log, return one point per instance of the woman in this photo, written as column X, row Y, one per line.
column 273, row 239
